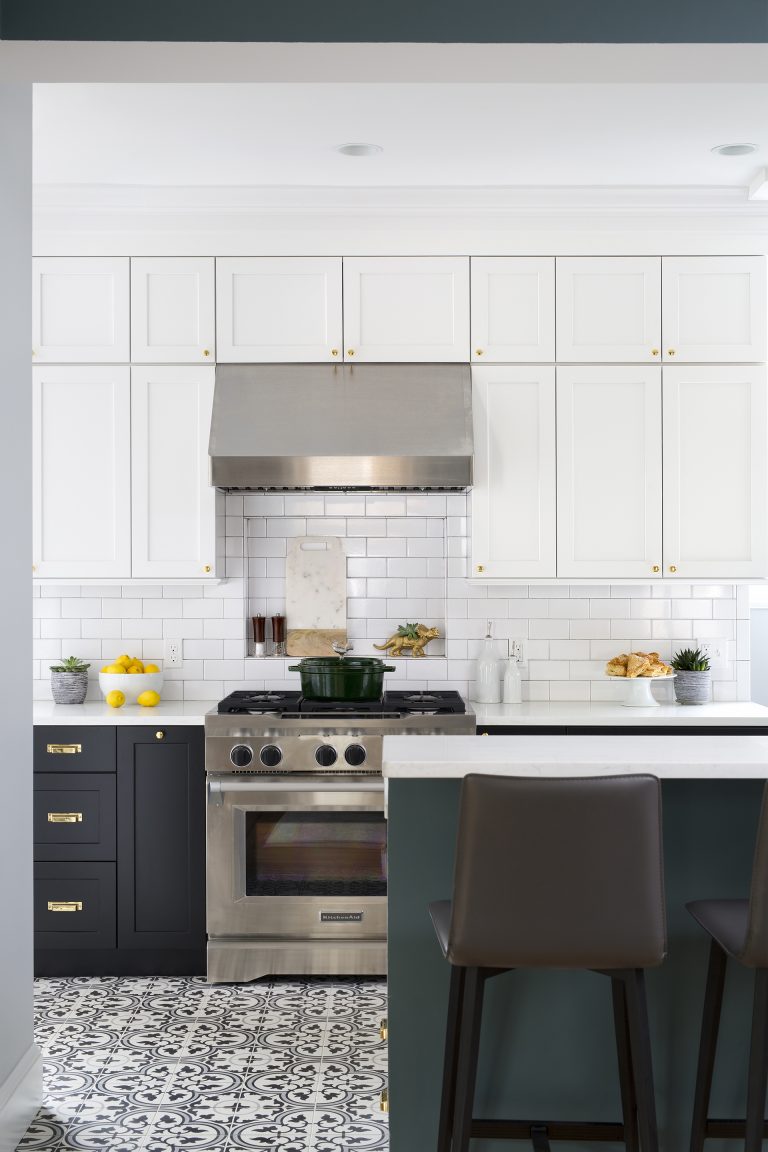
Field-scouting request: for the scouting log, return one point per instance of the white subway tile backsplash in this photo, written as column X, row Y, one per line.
column 203, row 608
column 548, row 629
column 721, row 609
column 549, row 670
column 684, row 609
column 610, row 609
column 630, row 629
column 642, row 609
column 223, row 629
column 407, row 526
column 120, row 608
column 47, row 609
column 568, row 649
column 59, row 629
column 142, row 629
column 590, row 629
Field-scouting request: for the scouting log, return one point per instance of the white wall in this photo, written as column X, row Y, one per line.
column 19, row 1070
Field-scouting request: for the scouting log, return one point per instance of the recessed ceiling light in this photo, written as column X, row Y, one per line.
column 735, row 149
column 359, row 149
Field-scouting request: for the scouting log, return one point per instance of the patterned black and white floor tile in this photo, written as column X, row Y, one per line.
column 170, row 1065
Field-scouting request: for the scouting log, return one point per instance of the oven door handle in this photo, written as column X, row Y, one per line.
column 220, row 787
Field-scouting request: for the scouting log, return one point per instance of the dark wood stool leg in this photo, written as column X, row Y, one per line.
column 710, row 1026
column 758, row 1064
column 466, row 1068
column 640, row 1042
column 626, row 1073
column 452, row 1034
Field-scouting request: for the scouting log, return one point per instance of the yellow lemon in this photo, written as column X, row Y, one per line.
column 151, row 668
column 105, row 668
column 133, row 670
column 115, row 698
column 137, row 665
column 148, row 699
column 124, row 660
column 116, row 670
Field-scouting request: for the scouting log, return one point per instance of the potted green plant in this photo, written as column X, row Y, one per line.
column 69, row 681
column 693, row 679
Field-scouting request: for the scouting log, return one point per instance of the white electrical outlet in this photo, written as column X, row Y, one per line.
column 517, row 649
column 717, row 650
column 172, row 650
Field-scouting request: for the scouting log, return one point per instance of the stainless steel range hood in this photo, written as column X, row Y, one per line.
column 287, row 426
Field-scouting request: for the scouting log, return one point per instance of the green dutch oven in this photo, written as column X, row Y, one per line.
column 334, row 678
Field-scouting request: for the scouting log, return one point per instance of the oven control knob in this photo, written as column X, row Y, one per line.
column 270, row 755
column 355, row 755
column 241, row 755
column 326, row 756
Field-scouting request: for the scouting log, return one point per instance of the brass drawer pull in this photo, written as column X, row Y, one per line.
column 64, row 749
column 384, row 1029
column 65, row 905
column 65, row 817
column 384, row 1100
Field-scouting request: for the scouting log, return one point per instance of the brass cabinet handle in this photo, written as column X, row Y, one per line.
column 478, row 351
column 206, row 352
column 480, row 568
column 670, row 351
column 384, row 1100
column 65, row 905
column 350, row 351
column 65, row 817
column 654, row 351
column 160, row 735
column 384, row 1028
column 672, row 568
column 334, row 351
column 64, row 749
column 206, row 567
column 656, row 568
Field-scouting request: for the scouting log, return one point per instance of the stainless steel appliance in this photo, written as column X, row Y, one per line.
column 296, row 868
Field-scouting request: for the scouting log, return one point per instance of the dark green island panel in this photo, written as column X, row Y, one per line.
column 548, row 1049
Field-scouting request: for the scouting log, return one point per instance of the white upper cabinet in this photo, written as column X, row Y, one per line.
column 513, row 309
column 81, row 480
column 513, row 494
column 278, row 309
column 715, row 506
column 406, row 308
column 714, row 309
column 173, row 506
column 609, row 472
column 609, row 309
column 173, row 310
column 80, row 310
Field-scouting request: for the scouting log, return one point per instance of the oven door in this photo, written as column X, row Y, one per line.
column 299, row 859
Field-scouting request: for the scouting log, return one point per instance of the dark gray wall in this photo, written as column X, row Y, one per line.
column 397, row 21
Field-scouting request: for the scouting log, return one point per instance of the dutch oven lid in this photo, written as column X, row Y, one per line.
column 358, row 663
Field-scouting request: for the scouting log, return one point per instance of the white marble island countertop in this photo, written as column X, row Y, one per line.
column 97, row 712
column 668, row 757
column 599, row 713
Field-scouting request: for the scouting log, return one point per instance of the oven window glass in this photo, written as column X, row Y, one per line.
column 315, row 854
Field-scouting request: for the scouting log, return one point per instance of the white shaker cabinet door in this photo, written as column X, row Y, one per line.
column 714, row 309
column 715, row 434
column 609, row 472
column 609, row 309
column 173, row 310
column 81, row 480
column 174, row 505
column 407, row 309
column 80, row 310
column 281, row 309
column 513, row 309
column 513, row 493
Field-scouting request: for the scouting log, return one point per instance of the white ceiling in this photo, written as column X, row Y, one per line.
column 498, row 135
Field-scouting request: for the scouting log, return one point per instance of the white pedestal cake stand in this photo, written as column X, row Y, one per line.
column 638, row 690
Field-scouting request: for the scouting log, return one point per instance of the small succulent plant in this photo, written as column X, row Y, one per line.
column 71, row 664
column 411, row 631
column 690, row 660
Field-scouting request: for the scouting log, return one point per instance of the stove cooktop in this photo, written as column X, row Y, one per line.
column 293, row 703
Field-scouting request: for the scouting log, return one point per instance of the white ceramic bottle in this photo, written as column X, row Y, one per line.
column 513, row 682
column 488, row 672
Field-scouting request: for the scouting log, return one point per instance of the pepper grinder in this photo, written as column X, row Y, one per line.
column 278, row 634
column 259, row 623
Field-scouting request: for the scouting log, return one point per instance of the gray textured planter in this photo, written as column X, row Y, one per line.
column 693, row 687
column 69, row 687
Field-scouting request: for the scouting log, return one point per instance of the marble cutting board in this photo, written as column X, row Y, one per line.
column 315, row 595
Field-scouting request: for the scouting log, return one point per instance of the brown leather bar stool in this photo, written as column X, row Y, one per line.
column 739, row 929
column 563, row 873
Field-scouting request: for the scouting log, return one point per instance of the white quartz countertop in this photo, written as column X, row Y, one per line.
column 96, row 712
column 609, row 714
column 668, row 757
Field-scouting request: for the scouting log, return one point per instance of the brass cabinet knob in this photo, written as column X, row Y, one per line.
column 656, row 568
column 672, row 568
column 334, row 351
column 160, row 735
column 481, row 568
column 206, row 567
column 206, row 352
column 33, row 352
column 350, row 351
column 670, row 351
column 478, row 351
column 654, row 351
column 34, row 567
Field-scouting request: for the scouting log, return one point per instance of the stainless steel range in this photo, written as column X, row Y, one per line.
column 297, row 843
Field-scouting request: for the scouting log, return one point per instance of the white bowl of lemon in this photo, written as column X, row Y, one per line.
column 129, row 681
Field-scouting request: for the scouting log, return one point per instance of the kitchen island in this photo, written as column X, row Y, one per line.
column 548, row 1049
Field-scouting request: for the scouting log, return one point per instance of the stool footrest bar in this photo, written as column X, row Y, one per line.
column 729, row 1130
column 574, row 1130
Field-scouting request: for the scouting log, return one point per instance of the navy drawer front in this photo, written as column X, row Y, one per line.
column 75, row 816
column 74, row 905
column 69, row 748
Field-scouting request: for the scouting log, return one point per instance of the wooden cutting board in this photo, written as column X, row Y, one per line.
column 315, row 595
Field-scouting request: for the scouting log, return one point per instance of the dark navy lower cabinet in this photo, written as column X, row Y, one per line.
column 120, row 851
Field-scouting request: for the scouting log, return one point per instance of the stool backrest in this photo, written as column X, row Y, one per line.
column 755, row 953
column 559, row 873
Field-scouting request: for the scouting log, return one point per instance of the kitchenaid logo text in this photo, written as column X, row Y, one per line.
column 334, row 917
